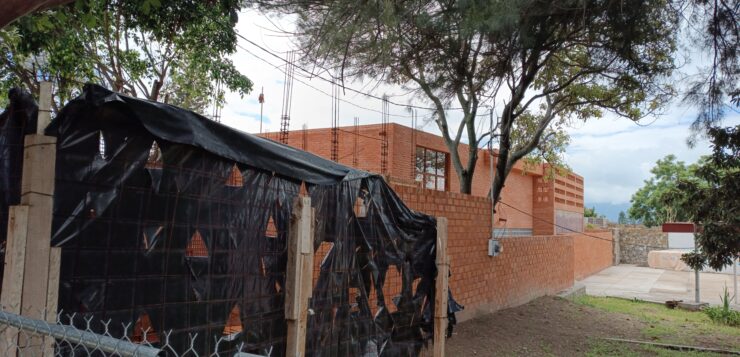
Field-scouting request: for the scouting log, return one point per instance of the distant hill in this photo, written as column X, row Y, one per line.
column 610, row 210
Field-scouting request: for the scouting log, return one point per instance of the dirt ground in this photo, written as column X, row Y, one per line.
column 552, row 326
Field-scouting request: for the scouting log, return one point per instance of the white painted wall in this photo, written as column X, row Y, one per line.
column 680, row 240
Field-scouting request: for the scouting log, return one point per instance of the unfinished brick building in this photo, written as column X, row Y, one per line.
column 421, row 159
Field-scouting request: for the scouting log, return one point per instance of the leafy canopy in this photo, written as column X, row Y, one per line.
column 173, row 51
column 712, row 201
column 715, row 25
column 535, row 64
column 622, row 219
column 659, row 200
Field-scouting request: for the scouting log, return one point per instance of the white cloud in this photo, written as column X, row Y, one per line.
column 613, row 155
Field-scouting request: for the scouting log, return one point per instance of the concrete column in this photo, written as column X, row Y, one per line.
column 616, row 250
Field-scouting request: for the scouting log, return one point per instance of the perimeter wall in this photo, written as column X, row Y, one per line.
column 527, row 268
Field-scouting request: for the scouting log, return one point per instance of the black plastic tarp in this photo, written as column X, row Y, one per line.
column 172, row 221
column 17, row 120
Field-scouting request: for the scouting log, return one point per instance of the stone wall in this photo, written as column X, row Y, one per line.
column 636, row 242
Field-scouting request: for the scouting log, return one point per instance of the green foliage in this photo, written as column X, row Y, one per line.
column 724, row 314
column 717, row 87
column 544, row 64
column 660, row 199
column 694, row 259
column 711, row 199
column 622, row 219
column 172, row 52
column 590, row 212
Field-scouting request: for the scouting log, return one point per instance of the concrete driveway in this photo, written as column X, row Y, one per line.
column 630, row 281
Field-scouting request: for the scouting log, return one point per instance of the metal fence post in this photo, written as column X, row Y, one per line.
column 31, row 279
column 735, row 263
column 441, row 289
column 299, row 276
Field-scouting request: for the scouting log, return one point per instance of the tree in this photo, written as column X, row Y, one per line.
column 542, row 63
column 172, row 52
column 622, row 218
column 590, row 212
column 713, row 202
column 715, row 25
column 13, row 9
column 660, row 199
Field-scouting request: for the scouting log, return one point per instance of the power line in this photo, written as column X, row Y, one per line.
column 320, row 90
column 312, row 75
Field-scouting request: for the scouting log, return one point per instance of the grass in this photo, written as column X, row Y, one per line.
column 661, row 324
column 599, row 348
column 603, row 348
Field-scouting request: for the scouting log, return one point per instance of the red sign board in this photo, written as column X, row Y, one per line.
column 678, row 227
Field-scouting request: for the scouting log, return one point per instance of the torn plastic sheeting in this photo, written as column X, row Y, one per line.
column 17, row 120
column 176, row 125
column 124, row 226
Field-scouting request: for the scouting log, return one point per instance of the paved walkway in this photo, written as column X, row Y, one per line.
column 630, row 281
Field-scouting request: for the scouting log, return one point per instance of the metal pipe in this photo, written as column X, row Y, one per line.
column 697, row 292
column 78, row 337
column 696, row 282
column 492, row 174
column 734, row 278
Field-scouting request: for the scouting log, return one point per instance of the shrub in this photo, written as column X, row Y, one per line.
column 724, row 315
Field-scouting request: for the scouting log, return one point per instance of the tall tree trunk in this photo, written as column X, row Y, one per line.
column 466, row 182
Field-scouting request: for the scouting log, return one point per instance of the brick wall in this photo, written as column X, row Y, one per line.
column 525, row 189
column 528, row 267
column 592, row 255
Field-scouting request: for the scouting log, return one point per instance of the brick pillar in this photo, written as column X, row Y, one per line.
column 543, row 207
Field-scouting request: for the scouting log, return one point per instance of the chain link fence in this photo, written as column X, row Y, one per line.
column 24, row 336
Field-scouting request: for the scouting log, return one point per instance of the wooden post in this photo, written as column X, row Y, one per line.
column 441, row 289
column 31, row 280
column 44, row 117
column 299, row 276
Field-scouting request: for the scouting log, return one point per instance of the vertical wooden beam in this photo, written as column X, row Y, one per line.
column 299, row 276
column 441, row 289
column 15, row 257
column 44, row 116
column 32, row 282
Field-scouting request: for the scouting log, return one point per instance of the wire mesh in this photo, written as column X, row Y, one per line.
column 193, row 247
column 164, row 242
column 20, row 335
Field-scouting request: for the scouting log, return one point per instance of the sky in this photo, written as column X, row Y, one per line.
column 613, row 155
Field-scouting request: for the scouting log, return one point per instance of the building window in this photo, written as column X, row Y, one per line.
column 431, row 169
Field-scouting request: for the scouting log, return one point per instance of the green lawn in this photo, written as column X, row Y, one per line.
column 662, row 325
